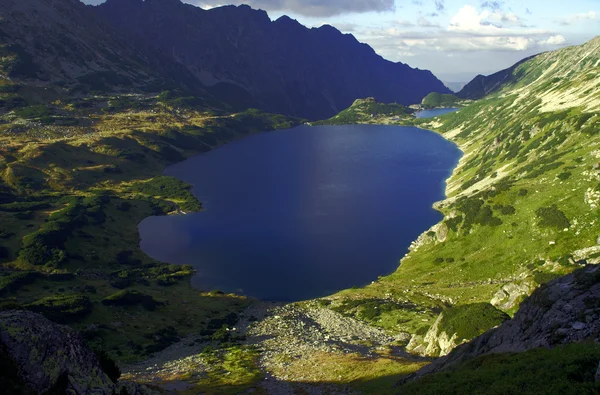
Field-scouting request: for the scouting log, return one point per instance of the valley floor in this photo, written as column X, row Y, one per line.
column 296, row 348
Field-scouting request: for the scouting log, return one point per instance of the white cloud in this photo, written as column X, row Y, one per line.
column 468, row 19
column 554, row 40
column 424, row 22
column 404, row 23
column 575, row 18
column 469, row 30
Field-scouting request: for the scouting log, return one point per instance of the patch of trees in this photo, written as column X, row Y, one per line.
column 46, row 246
column 169, row 188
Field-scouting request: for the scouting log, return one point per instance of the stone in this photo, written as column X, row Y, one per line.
column 578, row 326
column 44, row 352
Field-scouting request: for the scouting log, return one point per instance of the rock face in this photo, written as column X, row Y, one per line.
column 44, row 352
column 435, row 342
column 565, row 310
column 50, row 356
column 278, row 66
column 511, row 294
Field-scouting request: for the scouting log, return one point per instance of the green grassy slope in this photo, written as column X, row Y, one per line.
column 76, row 178
column 566, row 369
column 522, row 205
column 369, row 111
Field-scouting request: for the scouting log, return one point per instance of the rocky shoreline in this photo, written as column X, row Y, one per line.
column 287, row 338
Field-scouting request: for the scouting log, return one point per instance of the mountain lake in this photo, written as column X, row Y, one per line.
column 305, row 212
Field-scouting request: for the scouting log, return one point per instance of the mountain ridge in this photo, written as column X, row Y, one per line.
column 82, row 54
column 278, row 66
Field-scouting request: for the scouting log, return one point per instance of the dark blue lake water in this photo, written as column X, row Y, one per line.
column 435, row 112
column 305, row 212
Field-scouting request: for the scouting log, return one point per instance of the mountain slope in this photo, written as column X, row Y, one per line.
column 521, row 209
column 278, row 66
column 482, row 86
column 563, row 311
column 63, row 44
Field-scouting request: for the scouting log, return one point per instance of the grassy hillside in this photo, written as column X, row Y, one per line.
column 436, row 100
column 522, row 205
column 76, row 177
column 567, row 369
column 370, row 111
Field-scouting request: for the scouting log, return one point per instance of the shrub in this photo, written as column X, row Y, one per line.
column 543, row 278
column 11, row 281
column 36, row 251
column 471, row 320
column 486, row 217
column 552, row 217
column 453, row 223
column 131, row 298
column 62, row 308
column 564, row 176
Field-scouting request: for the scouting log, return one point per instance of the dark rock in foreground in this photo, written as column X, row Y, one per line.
column 52, row 357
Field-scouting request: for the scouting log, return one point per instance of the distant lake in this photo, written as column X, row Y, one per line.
column 436, row 112
column 304, row 212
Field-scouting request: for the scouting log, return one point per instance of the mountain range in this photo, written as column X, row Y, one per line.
column 235, row 55
column 95, row 102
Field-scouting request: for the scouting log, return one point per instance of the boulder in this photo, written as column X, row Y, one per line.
column 46, row 353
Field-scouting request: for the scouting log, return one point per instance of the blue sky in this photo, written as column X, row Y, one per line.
column 456, row 39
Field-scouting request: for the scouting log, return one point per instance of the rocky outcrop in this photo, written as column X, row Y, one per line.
column 511, row 294
column 51, row 356
column 565, row 310
column 436, row 342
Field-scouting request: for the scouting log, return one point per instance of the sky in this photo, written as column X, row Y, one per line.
column 455, row 39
